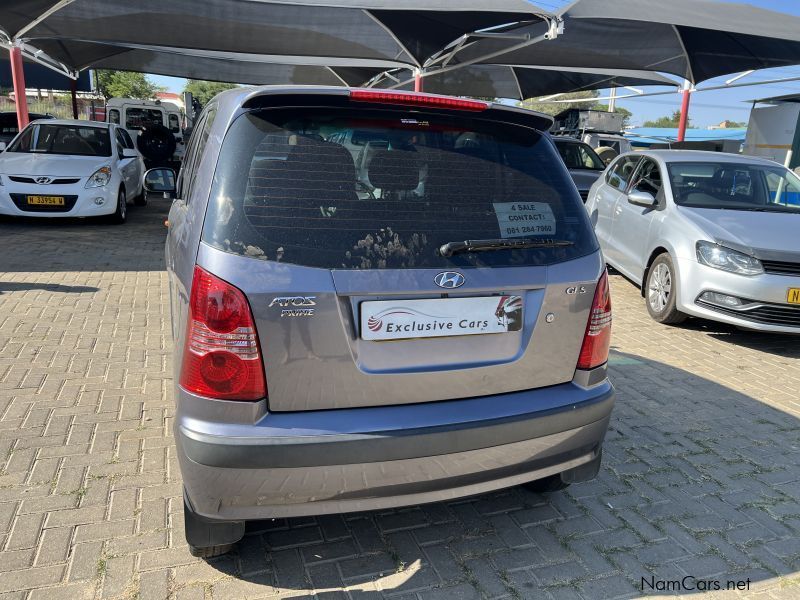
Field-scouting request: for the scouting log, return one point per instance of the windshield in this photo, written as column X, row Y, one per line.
column 139, row 118
column 75, row 140
column 291, row 186
column 579, row 156
column 735, row 186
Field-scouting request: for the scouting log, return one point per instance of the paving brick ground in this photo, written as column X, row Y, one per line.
column 701, row 474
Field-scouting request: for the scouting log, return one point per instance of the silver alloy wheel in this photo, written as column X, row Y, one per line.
column 123, row 204
column 660, row 288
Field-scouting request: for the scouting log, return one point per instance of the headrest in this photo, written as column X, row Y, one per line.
column 322, row 160
column 395, row 170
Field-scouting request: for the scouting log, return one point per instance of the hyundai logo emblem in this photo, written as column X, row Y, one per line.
column 449, row 279
column 42, row 180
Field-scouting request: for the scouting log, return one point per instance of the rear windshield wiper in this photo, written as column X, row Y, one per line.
column 451, row 248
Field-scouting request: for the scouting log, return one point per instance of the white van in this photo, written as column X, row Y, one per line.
column 774, row 130
column 137, row 116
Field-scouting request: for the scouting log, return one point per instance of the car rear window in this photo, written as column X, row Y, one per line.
column 289, row 187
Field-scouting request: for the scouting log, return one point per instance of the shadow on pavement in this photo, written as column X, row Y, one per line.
column 31, row 245
column 699, row 488
column 12, row 286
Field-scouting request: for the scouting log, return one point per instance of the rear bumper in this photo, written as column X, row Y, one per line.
column 290, row 464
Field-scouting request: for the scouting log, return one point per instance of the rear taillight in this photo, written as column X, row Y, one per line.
column 222, row 359
column 597, row 339
column 417, row 99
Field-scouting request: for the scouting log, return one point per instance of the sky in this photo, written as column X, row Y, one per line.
column 707, row 108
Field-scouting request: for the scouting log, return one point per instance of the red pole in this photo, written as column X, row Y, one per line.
column 73, row 88
column 417, row 80
column 687, row 94
column 18, row 80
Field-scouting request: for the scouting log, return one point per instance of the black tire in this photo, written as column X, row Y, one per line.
column 606, row 153
column 210, row 551
column 661, row 291
column 141, row 198
column 121, row 214
column 554, row 483
column 206, row 538
column 156, row 143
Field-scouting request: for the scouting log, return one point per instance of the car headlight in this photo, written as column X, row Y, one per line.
column 719, row 257
column 99, row 178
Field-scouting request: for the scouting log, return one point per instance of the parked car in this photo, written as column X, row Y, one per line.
column 585, row 167
column 9, row 125
column 339, row 347
column 602, row 130
column 705, row 234
column 155, row 126
column 65, row 168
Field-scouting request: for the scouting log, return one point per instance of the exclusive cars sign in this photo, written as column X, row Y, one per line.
column 440, row 317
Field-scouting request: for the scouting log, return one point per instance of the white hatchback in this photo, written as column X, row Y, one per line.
column 66, row 168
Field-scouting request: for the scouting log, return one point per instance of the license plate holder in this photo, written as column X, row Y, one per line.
column 384, row 320
column 793, row 296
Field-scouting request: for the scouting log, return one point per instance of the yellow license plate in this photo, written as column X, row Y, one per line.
column 46, row 200
column 793, row 297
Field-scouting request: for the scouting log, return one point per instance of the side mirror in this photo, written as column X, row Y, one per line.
column 161, row 180
column 640, row 198
column 129, row 153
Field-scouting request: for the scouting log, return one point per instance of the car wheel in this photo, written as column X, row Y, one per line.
column 661, row 291
column 121, row 214
column 141, row 198
column 606, row 154
column 554, row 483
column 209, row 551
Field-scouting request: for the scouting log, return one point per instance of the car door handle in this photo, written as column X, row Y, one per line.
column 617, row 211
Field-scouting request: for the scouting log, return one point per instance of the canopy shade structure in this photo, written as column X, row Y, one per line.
column 39, row 77
column 521, row 82
column 232, row 68
column 695, row 39
column 368, row 33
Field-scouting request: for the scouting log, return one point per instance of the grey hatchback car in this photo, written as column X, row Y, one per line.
column 378, row 299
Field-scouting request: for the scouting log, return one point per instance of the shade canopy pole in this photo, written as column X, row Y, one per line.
column 73, row 89
column 684, row 121
column 18, row 81
column 417, row 80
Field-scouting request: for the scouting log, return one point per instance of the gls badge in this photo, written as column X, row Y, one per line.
column 576, row 289
column 298, row 305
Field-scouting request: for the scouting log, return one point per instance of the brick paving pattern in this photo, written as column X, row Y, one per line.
column 701, row 474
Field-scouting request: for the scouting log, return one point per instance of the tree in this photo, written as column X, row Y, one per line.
column 667, row 122
column 553, row 108
column 203, row 91
column 626, row 114
column 124, row 84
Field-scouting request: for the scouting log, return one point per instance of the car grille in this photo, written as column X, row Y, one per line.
column 60, row 180
column 21, row 201
column 776, row 267
column 767, row 314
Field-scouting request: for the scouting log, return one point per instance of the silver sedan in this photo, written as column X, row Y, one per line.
column 705, row 234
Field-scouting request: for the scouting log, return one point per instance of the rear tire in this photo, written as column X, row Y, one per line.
column 121, row 214
column 661, row 291
column 209, row 551
column 156, row 144
column 554, row 483
column 207, row 538
column 606, row 153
